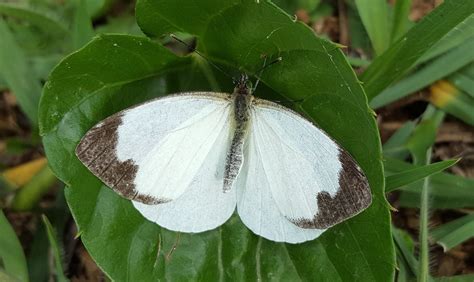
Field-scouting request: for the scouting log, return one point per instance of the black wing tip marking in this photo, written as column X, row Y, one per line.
column 96, row 151
column 353, row 197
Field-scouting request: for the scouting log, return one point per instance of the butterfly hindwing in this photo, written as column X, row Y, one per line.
column 313, row 182
column 255, row 203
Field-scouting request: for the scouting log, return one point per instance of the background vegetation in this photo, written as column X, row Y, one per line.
column 392, row 81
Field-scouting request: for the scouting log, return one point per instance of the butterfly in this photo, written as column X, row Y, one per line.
column 189, row 160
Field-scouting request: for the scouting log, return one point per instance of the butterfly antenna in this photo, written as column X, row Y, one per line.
column 193, row 49
column 260, row 71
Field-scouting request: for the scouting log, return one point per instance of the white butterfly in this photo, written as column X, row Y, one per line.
column 188, row 160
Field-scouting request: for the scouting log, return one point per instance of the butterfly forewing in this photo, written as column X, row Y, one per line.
column 151, row 153
column 204, row 205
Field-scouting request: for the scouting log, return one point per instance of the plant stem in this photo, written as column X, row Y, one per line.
column 424, row 215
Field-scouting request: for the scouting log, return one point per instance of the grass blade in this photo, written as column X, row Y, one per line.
column 400, row 19
column 456, row 278
column 20, row 175
column 424, row 134
column 451, row 234
column 395, row 146
column 56, row 252
column 463, row 82
column 18, row 75
column 11, row 252
column 392, row 182
column 438, row 69
column 40, row 20
column 357, row 32
column 82, row 31
column 31, row 193
column 358, row 62
column 38, row 255
column 405, row 251
column 458, row 35
column 448, row 191
column 374, row 15
column 403, row 54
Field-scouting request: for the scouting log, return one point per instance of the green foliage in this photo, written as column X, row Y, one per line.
column 457, row 278
column 113, row 72
column 403, row 54
column 12, row 258
column 407, row 262
column 116, row 71
column 464, row 80
column 53, row 241
column 17, row 74
column 455, row 37
column 82, row 26
column 400, row 22
column 33, row 41
column 451, row 234
column 398, row 180
column 29, row 195
column 396, row 146
column 439, row 68
column 292, row 7
column 448, row 191
column 374, row 15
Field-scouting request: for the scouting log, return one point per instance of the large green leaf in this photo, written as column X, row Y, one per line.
column 114, row 72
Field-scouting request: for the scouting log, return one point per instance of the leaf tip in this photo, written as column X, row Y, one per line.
column 392, row 208
column 78, row 235
column 338, row 45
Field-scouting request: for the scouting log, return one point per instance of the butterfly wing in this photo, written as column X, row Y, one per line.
column 313, row 183
column 204, row 206
column 256, row 205
column 153, row 152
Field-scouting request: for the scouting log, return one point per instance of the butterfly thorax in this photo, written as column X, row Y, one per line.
column 242, row 99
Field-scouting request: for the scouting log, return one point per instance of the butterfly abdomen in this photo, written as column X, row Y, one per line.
column 235, row 156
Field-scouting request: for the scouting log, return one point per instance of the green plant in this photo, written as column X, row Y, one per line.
column 127, row 70
column 114, row 71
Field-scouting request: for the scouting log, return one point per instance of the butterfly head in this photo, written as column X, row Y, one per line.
column 243, row 85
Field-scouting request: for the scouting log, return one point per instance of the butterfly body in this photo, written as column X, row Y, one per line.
column 242, row 99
